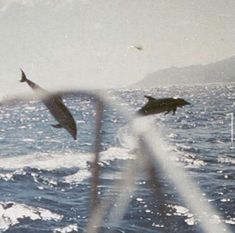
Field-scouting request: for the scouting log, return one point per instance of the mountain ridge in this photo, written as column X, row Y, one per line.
column 220, row 71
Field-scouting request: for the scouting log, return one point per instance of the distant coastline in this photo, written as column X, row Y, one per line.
column 180, row 85
column 221, row 72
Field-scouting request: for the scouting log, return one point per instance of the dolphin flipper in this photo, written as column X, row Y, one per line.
column 173, row 111
column 58, row 126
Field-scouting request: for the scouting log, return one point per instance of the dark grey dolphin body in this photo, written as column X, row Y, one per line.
column 155, row 106
column 55, row 105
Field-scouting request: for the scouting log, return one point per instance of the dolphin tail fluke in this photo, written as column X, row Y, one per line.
column 23, row 76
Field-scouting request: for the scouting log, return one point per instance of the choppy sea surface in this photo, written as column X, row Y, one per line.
column 45, row 176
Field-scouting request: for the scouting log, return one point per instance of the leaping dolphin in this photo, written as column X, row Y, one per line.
column 55, row 105
column 155, row 106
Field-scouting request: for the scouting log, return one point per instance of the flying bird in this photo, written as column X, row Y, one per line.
column 140, row 48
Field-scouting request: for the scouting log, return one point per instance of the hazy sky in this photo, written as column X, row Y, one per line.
column 89, row 43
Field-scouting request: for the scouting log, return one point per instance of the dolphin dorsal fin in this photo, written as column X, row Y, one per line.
column 150, row 98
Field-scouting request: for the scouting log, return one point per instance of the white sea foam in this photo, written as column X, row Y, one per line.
column 190, row 161
column 11, row 213
column 126, row 139
column 227, row 160
column 42, row 161
column 7, row 176
column 28, row 140
column 58, row 161
column 67, row 229
column 106, row 156
column 230, row 221
column 182, row 211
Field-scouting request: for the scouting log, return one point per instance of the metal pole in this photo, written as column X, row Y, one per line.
column 232, row 131
column 97, row 149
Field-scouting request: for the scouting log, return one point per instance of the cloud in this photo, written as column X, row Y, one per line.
column 5, row 4
column 55, row 4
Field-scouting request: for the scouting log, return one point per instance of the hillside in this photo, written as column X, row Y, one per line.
column 221, row 71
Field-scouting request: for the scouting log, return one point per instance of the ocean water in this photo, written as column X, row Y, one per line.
column 45, row 176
